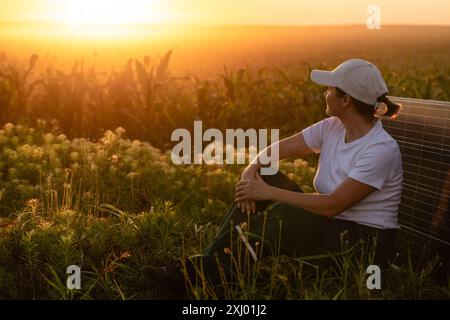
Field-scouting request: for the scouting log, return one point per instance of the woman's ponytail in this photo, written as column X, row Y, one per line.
column 385, row 108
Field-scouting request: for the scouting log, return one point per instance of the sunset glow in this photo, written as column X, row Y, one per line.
column 205, row 12
column 77, row 13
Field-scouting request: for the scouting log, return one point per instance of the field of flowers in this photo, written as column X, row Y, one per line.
column 117, row 205
column 86, row 176
column 93, row 204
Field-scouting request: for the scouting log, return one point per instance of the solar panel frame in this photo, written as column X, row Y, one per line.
column 422, row 131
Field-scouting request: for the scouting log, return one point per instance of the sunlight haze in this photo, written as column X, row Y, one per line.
column 199, row 12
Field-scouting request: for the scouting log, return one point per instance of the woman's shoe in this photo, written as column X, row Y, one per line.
column 168, row 280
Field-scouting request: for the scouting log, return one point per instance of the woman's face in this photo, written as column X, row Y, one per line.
column 334, row 103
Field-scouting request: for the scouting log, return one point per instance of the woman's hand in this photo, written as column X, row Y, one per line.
column 253, row 189
column 248, row 206
column 249, row 173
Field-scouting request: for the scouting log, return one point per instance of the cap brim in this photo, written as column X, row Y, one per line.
column 322, row 77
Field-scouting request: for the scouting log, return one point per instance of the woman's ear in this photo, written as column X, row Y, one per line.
column 346, row 101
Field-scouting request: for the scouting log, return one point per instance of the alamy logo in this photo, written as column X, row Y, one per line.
column 374, row 280
column 214, row 152
column 74, row 280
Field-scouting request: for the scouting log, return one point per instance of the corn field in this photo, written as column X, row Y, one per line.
column 86, row 176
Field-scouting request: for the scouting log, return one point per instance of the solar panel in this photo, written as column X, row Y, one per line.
column 422, row 131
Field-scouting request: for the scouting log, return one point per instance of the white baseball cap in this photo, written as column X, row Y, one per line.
column 356, row 77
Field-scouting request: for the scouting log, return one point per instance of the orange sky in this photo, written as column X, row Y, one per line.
column 212, row 12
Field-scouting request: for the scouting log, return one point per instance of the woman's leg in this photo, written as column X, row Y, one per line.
column 279, row 229
column 242, row 238
column 285, row 229
column 282, row 229
column 288, row 230
column 235, row 216
column 170, row 279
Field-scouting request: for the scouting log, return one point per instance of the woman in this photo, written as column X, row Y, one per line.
column 358, row 183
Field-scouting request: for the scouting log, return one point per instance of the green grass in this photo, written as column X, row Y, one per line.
column 70, row 202
column 146, row 99
column 74, row 192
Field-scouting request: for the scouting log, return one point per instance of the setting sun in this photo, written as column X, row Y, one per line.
column 77, row 13
column 136, row 138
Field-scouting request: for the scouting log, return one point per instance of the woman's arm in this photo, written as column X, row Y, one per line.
column 348, row 193
column 294, row 145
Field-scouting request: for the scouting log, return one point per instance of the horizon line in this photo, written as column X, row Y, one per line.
column 59, row 23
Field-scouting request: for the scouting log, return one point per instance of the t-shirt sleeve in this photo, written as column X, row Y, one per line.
column 374, row 166
column 315, row 133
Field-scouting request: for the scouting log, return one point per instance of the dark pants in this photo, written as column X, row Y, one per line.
column 279, row 228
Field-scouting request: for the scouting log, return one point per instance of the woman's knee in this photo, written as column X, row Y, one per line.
column 285, row 210
column 279, row 180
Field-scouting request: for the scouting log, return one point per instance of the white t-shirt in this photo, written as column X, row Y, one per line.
column 373, row 159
